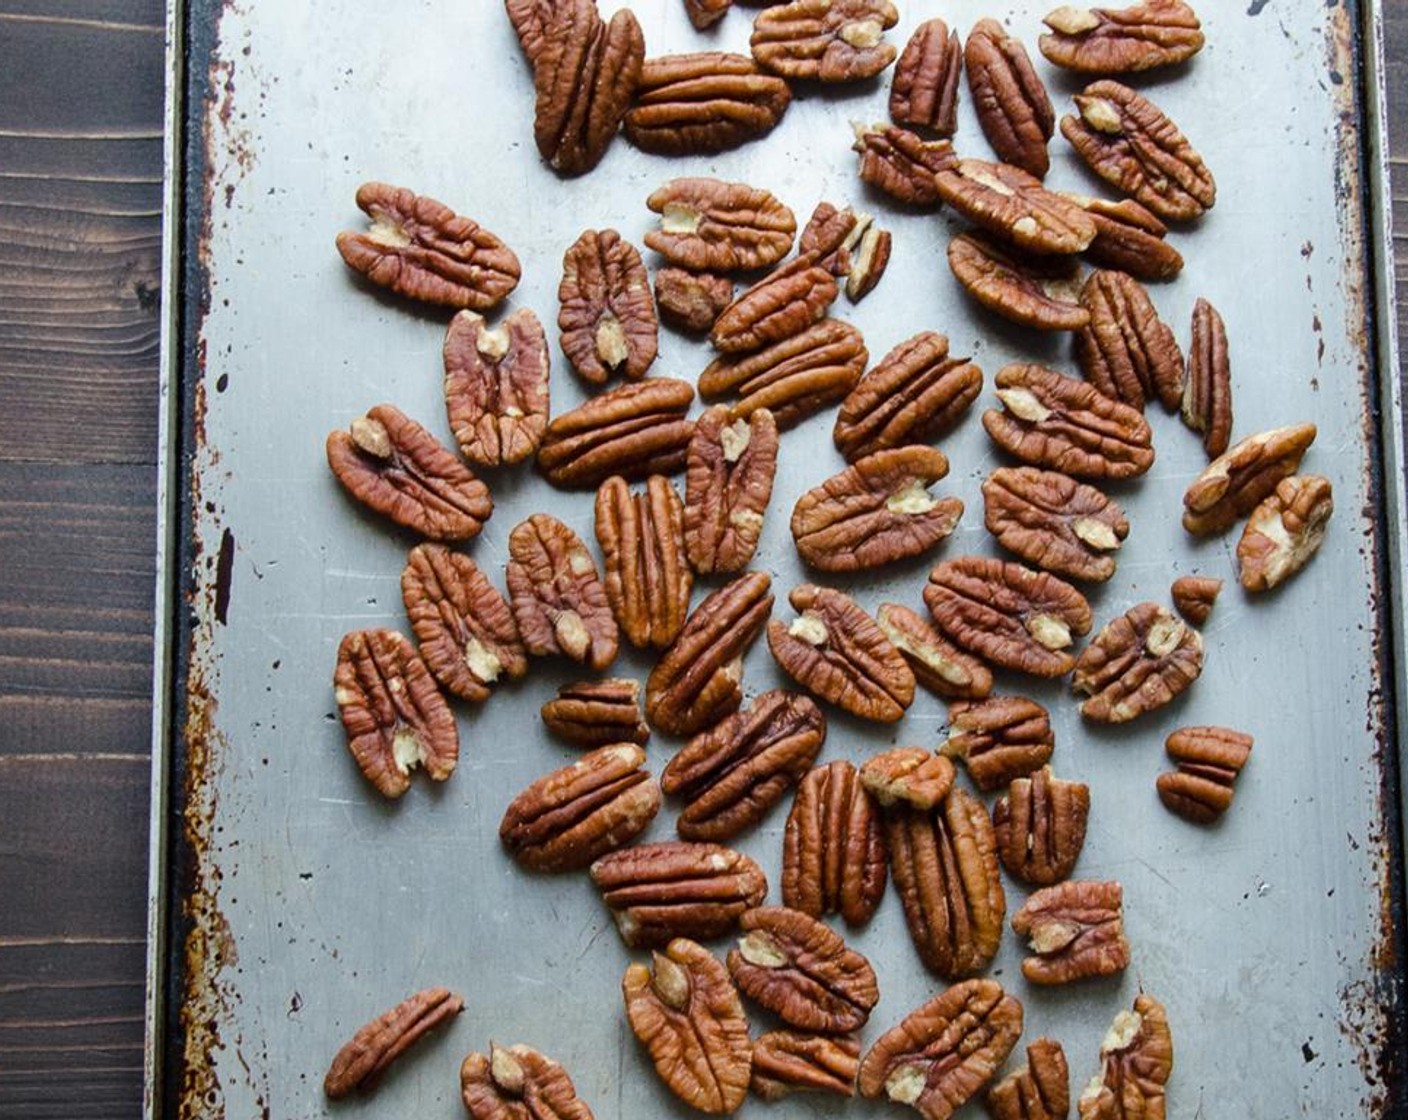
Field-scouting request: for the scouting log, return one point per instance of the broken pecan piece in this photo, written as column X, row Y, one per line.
column 999, row 739
column 902, row 164
column 606, row 315
column 635, row 430
column 361, row 1062
column 825, row 40
column 869, row 250
column 556, row 594
column 1284, row 531
column 780, row 305
column 786, row 1061
column 1076, row 931
column 910, row 775
column 697, row 104
column 1207, row 397
column 833, row 849
column 707, row 225
column 1040, row 824
column 1138, row 663
column 691, row 301
column 1012, row 105
column 1126, row 351
column 1129, row 238
column 1039, row 1090
column 938, row 664
column 518, row 1083
column 1194, row 597
column 728, row 482
column 706, row 13
column 642, row 547
column 1239, row 479
column 1209, row 760
column 924, row 88
column 1136, row 1059
column 1054, row 522
column 1035, row 291
column 496, row 387
column 1122, row 40
column 597, row 713
column 1013, row 204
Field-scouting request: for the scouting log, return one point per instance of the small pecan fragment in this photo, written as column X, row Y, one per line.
column 1136, row 1059
column 518, row 1083
column 938, row 664
column 903, row 164
column 924, row 88
column 1126, row 140
column 1050, row 420
column 691, row 301
column 1122, row 40
column 914, row 393
column 1054, row 522
column 804, row 973
column 833, row 849
column 1138, row 663
column 1012, row 104
column 392, row 465
column 1284, row 531
column 423, row 250
column 359, row 1065
column 642, row 546
column 869, row 250
column 685, row 1011
column 999, row 739
column 779, row 306
column 1039, row 1090
column 1126, row 351
column 635, row 430
column 706, row 13
column 787, row 1061
column 1040, row 824
column 1207, row 397
column 908, row 774
column 697, row 104
column 1076, row 931
column 943, row 1053
column 1129, row 238
column 607, row 317
column 707, row 225
column 696, row 681
column 1239, row 479
column 876, row 511
column 464, row 628
column 556, row 594
column 496, row 387
column 836, row 651
column 1010, row 615
column 793, row 378
column 392, row 712
column 728, row 482
column 737, row 770
column 825, row 40
column 1013, row 204
column 1035, row 291
column 1209, row 760
column 1194, row 597
column 596, row 713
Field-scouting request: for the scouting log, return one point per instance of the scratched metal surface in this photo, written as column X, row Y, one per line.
column 303, row 904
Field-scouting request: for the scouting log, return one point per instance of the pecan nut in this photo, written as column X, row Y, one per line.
column 833, row 849
column 518, row 1083
column 392, row 712
column 902, row 164
column 496, row 387
column 707, row 225
column 596, row 713
column 924, row 88
column 869, row 249
column 1010, row 615
column 1136, row 1059
column 728, row 482
column 556, row 594
column 1076, row 931
column 737, row 770
column 780, row 305
column 1194, row 597
column 1124, row 40
column 825, row 40
column 1012, row 105
column 691, row 301
column 1040, row 825
column 837, row 652
column 606, row 315
column 1138, row 663
column 529, row 20
column 938, row 664
column 944, row 1052
column 365, row 1057
column 635, row 430
column 786, row 1061
column 698, row 104
column 1039, row 1090
column 1207, row 396
column 1126, row 351
column 1284, row 531
column 1239, row 479
column 1130, row 239
column 706, row 13
column 1013, row 204
column 642, row 546
column 999, row 739
column 685, row 1011
column 1209, row 759
column 423, row 250
column 1054, row 522
column 392, row 465
column 1038, row 292
column 910, row 775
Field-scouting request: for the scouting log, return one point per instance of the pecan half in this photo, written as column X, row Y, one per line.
column 938, row 664
column 902, row 164
column 606, row 315
column 1194, row 597
column 804, row 973
column 999, row 739
column 915, row 392
column 1126, row 351
column 1039, row 292
column 529, row 19
column 634, row 430
column 1123, row 40
column 833, row 849
column 697, row 104
column 787, row 1061
column 686, row 1013
column 837, row 652
column 1013, row 108
column 1138, row 663
column 423, row 250
column 1039, row 1090
column 1239, row 479
column 696, row 681
column 1040, row 824
column 924, row 88
column 518, row 1083
column 780, row 305
column 1013, row 204
column 825, row 40
column 392, row 712
column 1010, row 615
column 496, row 387
column 707, row 225
column 1284, row 531
column 737, row 770
column 1076, row 931
column 392, row 465
column 706, row 13
column 597, row 713
column 876, row 511
column 1050, row 420
column 1126, row 139
column 462, row 624
column 361, row 1062
column 1054, row 522
column 1129, row 238
column 556, row 594
column 910, row 775
column 1209, row 760
column 642, row 546
column 1136, row 1059
column 691, row 301
column 728, row 482
column 943, row 1053
column 1207, row 396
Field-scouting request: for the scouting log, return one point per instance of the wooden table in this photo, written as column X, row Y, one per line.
column 80, row 222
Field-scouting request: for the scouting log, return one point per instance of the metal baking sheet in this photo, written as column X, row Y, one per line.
column 291, row 903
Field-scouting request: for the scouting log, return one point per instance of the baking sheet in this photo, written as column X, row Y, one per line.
column 301, row 904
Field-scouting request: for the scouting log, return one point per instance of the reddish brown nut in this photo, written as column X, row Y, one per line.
column 518, row 1083
column 910, row 775
column 825, row 40
column 1207, row 396
column 496, row 387
column 833, row 849
column 1284, row 531
column 707, row 225
column 779, row 306
column 1209, row 760
column 597, row 713
column 1123, row 40
column 1013, row 204
column 1039, row 1090
column 1040, row 824
column 691, row 301
column 697, row 104
column 788, row 1061
column 1010, row 615
column 606, row 317
column 423, row 250
column 943, row 1053
column 938, row 664
column 924, row 89
column 464, row 628
column 706, row 13
column 1136, row 1060
column 902, row 164
column 1013, row 108
column 392, row 712
column 999, row 739
column 826, row 236
column 1126, row 351
column 869, row 250
column 1129, row 238
column 635, row 430
column 392, row 465
column 737, row 770
column 358, row 1066
column 1054, row 522
column 728, row 482
column 556, row 594
column 1239, row 479
column 1138, row 663
column 642, row 547
column 1038, row 292
column 1194, row 597
column 529, row 19
column 1076, row 931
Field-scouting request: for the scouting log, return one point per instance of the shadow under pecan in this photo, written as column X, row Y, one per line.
column 908, row 775
column 606, row 315
column 937, row 663
column 1039, row 1090
column 1126, row 351
column 1284, row 532
column 789, row 1061
column 707, row 225
column 496, row 387
column 1194, row 596
column 902, row 164
column 691, row 301
column 647, row 581
column 999, row 739
column 698, row 104
column 728, row 482
column 1033, row 291
column 1075, row 930
column 359, row 1065
column 924, row 87
column 1054, row 522
column 635, row 430
column 596, row 713
column 1040, row 825
column 1209, row 759
column 1136, row 1059
column 833, row 849
column 556, row 594
column 780, row 305
column 1207, row 396
column 1012, row 105
column 1138, row 663
column 518, row 1083
column 825, row 40
column 1013, row 204
column 1122, row 40
column 1237, row 481
column 1129, row 238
